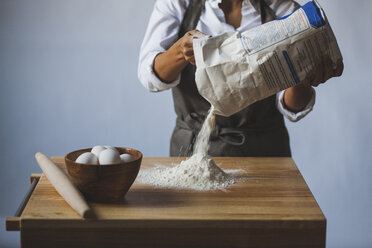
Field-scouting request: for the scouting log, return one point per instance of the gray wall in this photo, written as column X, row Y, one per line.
column 68, row 81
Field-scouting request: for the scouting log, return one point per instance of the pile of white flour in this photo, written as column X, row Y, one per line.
column 199, row 172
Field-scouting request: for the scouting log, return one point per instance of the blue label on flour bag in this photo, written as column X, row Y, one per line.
column 274, row 32
column 313, row 14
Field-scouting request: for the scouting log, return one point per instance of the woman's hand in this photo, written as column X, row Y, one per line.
column 186, row 45
column 169, row 65
column 323, row 71
column 297, row 97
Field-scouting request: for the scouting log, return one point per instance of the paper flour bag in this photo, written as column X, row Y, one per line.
column 235, row 70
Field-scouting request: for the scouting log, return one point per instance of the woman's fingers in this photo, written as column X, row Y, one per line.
column 339, row 69
column 188, row 52
column 189, row 56
column 187, row 45
column 192, row 60
column 323, row 72
column 198, row 34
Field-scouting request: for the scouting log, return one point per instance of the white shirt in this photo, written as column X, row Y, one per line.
column 162, row 33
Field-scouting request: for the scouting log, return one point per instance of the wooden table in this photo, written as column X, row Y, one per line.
column 273, row 207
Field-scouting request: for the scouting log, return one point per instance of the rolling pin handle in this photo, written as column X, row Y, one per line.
column 89, row 214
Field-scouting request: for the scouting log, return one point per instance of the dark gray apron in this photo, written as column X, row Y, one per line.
column 257, row 130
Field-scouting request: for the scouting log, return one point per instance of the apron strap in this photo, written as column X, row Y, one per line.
column 191, row 17
column 267, row 14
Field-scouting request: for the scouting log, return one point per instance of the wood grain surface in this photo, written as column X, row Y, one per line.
column 272, row 207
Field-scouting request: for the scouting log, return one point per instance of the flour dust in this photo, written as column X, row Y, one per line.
column 199, row 172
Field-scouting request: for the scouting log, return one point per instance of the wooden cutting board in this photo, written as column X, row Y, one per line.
column 272, row 207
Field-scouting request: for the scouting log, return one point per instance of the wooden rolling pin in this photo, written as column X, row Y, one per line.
column 64, row 186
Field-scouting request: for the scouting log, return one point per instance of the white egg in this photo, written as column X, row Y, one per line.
column 125, row 157
column 87, row 158
column 108, row 147
column 109, row 156
column 97, row 150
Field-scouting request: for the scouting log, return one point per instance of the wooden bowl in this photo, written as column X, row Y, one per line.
column 104, row 183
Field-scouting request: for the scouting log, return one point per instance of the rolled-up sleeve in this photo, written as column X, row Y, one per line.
column 161, row 33
column 294, row 116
